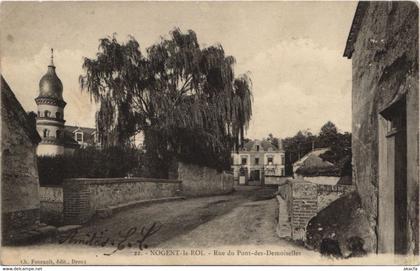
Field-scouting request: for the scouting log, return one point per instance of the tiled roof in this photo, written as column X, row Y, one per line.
column 69, row 140
column 313, row 165
column 86, row 130
column 316, row 152
column 264, row 145
column 355, row 27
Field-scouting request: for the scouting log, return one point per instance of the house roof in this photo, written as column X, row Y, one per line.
column 12, row 105
column 355, row 27
column 315, row 152
column 88, row 133
column 264, row 145
column 313, row 165
column 69, row 140
column 85, row 130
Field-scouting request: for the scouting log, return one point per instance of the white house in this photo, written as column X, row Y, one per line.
column 258, row 162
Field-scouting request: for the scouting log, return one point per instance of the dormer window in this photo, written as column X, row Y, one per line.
column 47, row 113
column 79, row 136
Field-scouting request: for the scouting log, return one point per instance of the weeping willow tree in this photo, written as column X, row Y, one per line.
column 185, row 99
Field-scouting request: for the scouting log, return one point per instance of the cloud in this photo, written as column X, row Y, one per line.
column 298, row 85
column 23, row 77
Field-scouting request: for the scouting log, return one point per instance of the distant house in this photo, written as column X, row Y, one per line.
column 258, row 162
column 313, row 168
column 83, row 136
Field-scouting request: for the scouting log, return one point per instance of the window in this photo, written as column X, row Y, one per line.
column 47, row 113
column 270, row 160
column 39, row 114
column 282, row 172
column 244, row 161
column 57, row 134
column 257, row 161
column 258, row 147
column 46, row 133
column 58, row 115
column 282, row 160
column 79, row 137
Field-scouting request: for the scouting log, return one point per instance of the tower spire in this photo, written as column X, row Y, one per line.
column 52, row 57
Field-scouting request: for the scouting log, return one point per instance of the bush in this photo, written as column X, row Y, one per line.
column 112, row 162
column 319, row 171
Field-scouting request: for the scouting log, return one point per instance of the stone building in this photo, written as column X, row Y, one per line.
column 19, row 181
column 57, row 138
column 383, row 47
column 258, row 162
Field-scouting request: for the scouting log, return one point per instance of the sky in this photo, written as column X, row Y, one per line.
column 293, row 52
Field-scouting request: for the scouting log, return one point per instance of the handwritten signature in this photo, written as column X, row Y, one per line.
column 122, row 242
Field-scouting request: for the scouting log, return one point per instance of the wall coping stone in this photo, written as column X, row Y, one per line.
column 89, row 181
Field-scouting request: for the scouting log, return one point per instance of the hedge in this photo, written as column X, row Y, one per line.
column 112, row 162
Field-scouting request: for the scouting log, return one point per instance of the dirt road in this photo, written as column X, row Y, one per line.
column 245, row 217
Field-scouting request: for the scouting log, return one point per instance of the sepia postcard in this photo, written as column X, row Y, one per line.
column 209, row 133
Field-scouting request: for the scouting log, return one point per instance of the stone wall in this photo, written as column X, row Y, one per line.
column 203, row 181
column 385, row 68
column 303, row 206
column 19, row 180
column 276, row 180
column 51, row 198
column 322, row 180
column 84, row 197
column 303, row 200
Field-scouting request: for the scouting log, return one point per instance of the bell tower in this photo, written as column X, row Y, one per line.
column 50, row 117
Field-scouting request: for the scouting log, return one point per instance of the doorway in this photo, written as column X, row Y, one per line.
column 393, row 184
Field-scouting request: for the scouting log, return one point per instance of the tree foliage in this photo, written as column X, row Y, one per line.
column 273, row 140
column 185, row 95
